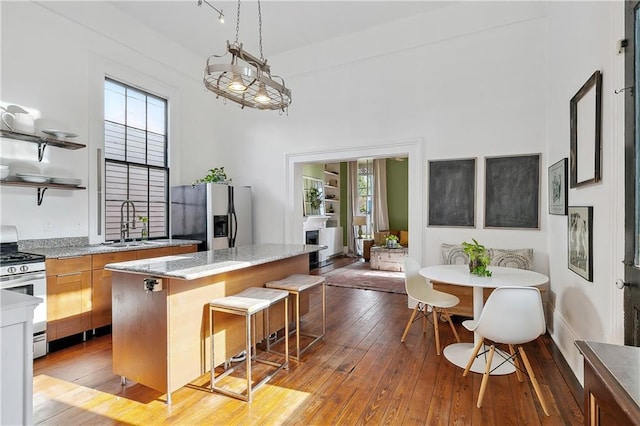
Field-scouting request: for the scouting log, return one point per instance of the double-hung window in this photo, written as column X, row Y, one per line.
column 136, row 162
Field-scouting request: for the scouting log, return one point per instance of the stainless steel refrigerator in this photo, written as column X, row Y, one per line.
column 219, row 215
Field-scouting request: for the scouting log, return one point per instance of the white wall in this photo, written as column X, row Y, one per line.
column 54, row 59
column 582, row 39
column 478, row 79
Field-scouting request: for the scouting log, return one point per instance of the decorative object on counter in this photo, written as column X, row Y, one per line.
column 144, row 232
column 246, row 79
column 215, row 175
column 478, row 258
column 391, row 241
column 17, row 119
column 314, row 197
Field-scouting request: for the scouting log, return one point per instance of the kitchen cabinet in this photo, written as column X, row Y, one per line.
column 42, row 142
column 79, row 288
column 68, row 296
column 101, row 278
column 101, row 286
column 332, row 193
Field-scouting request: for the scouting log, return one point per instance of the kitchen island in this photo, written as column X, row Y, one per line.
column 161, row 316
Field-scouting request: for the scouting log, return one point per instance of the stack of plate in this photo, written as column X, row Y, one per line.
column 66, row 181
column 33, row 178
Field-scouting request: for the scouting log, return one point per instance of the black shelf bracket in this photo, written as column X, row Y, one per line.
column 41, row 192
column 41, row 147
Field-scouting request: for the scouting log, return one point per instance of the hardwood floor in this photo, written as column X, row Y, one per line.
column 360, row 373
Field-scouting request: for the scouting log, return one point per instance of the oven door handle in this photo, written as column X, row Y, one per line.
column 21, row 279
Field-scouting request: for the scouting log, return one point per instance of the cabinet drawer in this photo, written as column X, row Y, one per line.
column 154, row 252
column 192, row 248
column 68, row 265
column 99, row 260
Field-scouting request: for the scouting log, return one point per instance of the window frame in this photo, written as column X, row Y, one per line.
column 149, row 167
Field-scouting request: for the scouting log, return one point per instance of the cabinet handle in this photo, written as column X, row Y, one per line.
column 69, row 274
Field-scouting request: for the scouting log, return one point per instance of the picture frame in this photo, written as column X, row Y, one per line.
column 586, row 124
column 580, row 241
column 512, row 192
column 452, row 193
column 557, row 181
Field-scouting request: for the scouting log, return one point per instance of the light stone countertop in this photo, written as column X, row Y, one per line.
column 191, row 266
column 74, row 251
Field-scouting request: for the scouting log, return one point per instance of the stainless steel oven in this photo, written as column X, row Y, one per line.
column 25, row 273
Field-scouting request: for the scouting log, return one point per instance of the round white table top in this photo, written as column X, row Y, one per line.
column 501, row 276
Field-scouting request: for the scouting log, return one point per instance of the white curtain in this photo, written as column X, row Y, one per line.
column 380, row 211
column 352, row 205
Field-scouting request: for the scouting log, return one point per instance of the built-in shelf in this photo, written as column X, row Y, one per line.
column 42, row 141
column 42, row 187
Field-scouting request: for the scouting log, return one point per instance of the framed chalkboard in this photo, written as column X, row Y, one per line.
column 512, row 192
column 452, row 192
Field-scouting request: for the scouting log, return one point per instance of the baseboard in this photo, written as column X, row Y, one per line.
column 564, row 337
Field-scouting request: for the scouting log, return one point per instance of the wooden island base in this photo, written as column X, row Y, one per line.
column 160, row 338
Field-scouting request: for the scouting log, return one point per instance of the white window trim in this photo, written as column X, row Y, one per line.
column 99, row 69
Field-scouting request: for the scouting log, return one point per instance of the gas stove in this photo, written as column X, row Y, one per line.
column 13, row 261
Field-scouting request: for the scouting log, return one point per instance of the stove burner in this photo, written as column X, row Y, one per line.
column 18, row 257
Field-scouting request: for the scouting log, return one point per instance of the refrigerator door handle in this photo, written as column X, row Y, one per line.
column 233, row 228
column 234, row 231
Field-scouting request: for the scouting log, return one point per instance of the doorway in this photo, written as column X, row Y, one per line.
column 412, row 149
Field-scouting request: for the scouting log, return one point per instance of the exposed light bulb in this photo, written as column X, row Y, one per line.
column 221, row 18
column 261, row 95
column 236, row 84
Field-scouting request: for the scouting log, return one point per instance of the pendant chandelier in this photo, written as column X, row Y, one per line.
column 246, row 80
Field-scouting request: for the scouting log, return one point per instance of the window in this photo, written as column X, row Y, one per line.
column 365, row 192
column 135, row 146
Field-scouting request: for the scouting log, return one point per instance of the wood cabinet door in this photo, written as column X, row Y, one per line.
column 184, row 249
column 101, row 286
column 68, row 304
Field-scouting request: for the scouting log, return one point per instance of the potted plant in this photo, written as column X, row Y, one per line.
column 478, row 258
column 391, row 241
column 215, row 175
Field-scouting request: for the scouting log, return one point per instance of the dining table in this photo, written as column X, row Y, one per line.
column 459, row 353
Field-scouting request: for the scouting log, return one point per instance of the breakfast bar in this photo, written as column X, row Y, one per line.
column 160, row 309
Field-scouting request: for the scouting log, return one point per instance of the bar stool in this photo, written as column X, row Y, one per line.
column 295, row 285
column 248, row 303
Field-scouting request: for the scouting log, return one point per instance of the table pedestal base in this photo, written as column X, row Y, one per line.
column 459, row 354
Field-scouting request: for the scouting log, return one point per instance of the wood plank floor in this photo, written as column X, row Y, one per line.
column 359, row 374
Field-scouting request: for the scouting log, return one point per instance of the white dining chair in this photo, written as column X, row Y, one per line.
column 511, row 316
column 426, row 297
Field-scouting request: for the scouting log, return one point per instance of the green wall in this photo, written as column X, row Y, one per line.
column 398, row 193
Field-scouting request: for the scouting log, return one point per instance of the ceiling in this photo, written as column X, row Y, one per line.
column 286, row 25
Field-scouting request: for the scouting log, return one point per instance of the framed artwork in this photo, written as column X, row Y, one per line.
column 558, row 188
column 581, row 241
column 586, row 124
column 452, row 192
column 512, row 192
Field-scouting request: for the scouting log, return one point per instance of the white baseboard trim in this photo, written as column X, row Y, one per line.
column 564, row 338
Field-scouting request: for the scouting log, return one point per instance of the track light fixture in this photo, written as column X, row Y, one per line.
column 220, row 14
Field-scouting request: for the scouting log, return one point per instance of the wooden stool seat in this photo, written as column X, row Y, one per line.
column 248, row 303
column 296, row 284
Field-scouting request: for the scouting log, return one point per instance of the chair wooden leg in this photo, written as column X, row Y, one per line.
column 455, row 333
column 516, row 363
column 534, row 381
column 424, row 319
column 485, row 376
column 473, row 357
column 406, row 330
column 436, row 330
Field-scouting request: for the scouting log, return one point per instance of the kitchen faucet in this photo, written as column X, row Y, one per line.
column 124, row 225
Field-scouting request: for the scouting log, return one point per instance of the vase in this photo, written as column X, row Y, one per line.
column 144, row 234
